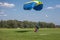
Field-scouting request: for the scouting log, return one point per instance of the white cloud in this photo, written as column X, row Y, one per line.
column 57, row 6
column 54, row 7
column 7, row 5
column 0, row 3
column 2, row 13
column 50, row 7
column 5, row 15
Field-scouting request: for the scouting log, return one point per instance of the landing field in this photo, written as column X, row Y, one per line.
column 29, row 34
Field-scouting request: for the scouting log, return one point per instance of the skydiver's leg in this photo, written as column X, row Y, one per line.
column 35, row 30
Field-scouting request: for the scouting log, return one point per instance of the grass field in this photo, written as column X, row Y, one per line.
column 29, row 34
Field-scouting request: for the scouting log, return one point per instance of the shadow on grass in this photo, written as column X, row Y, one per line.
column 22, row 31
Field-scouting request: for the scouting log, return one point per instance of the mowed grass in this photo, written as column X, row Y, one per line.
column 29, row 34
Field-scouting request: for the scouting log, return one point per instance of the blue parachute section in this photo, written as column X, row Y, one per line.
column 29, row 6
column 36, row 5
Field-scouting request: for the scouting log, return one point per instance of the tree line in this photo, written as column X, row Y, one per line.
column 24, row 24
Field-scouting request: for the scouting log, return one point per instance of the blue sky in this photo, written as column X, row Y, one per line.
column 13, row 10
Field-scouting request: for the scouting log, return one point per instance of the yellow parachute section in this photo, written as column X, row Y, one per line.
column 38, row 3
column 35, row 0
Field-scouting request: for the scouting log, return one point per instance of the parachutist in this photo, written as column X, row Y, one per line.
column 36, row 28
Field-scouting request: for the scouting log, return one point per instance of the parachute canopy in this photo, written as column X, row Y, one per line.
column 36, row 5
